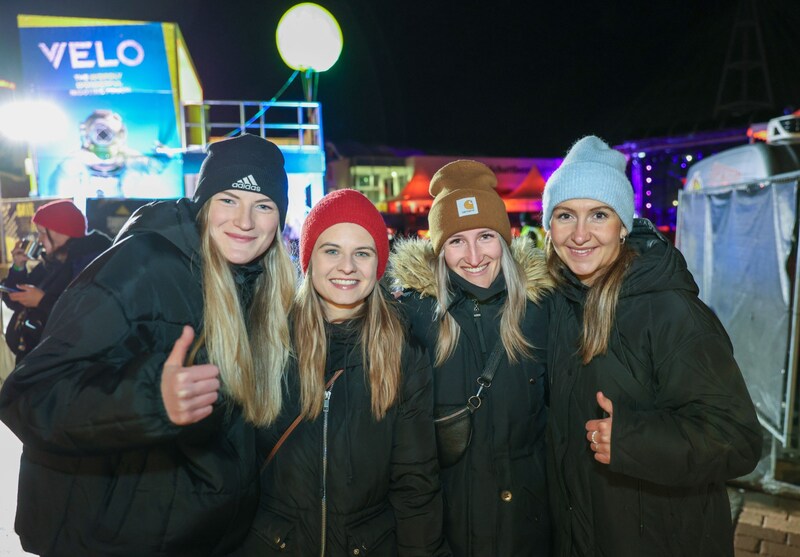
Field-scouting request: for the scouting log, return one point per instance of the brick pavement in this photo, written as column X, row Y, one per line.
column 768, row 526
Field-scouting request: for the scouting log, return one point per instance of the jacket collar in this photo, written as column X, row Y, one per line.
column 497, row 287
column 411, row 267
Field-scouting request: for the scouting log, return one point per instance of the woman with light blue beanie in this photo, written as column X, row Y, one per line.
column 650, row 415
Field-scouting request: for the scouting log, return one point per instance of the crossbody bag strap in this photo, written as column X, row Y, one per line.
column 295, row 423
column 485, row 380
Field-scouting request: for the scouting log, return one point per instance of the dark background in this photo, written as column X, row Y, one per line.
column 478, row 78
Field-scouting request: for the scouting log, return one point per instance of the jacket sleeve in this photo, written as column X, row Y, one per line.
column 92, row 385
column 56, row 286
column 703, row 427
column 21, row 276
column 415, row 492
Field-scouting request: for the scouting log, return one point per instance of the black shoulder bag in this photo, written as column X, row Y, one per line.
column 454, row 423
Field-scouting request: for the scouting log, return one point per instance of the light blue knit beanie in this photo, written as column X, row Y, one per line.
column 591, row 170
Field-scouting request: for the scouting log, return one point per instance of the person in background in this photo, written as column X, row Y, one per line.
column 470, row 293
column 61, row 231
column 136, row 411
column 356, row 474
column 531, row 227
column 649, row 412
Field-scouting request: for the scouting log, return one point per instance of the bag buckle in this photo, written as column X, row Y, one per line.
column 474, row 402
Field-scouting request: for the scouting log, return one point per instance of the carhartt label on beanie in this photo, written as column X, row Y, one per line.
column 465, row 198
column 591, row 170
column 344, row 206
column 248, row 163
column 467, row 206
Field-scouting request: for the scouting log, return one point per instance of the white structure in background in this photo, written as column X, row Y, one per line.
column 737, row 222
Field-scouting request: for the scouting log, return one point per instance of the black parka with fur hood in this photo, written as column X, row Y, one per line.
column 683, row 421
column 104, row 472
column 496, row 496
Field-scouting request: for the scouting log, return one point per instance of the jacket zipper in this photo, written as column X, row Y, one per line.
column 325, row 408
column 641, row 516
column 476, row 314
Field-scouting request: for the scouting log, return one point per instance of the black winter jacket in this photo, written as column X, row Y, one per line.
column 52, row 276
column 104, row 472
column 382, row 491
column 683, row 421
column 496, row 501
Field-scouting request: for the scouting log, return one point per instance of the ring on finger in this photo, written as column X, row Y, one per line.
column 594, row 437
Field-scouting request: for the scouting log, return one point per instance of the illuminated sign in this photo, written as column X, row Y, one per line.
column 90, row 54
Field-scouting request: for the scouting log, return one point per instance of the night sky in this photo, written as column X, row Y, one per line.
column 477, row 78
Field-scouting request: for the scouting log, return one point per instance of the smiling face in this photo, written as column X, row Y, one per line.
column 343, row 269
column 474, row 255
column 242, row 224
column 586, row 234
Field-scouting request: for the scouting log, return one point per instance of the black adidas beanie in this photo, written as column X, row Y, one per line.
column 246, row 162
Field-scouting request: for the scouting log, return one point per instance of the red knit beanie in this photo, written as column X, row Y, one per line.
column 344, row 206
column 61, row 216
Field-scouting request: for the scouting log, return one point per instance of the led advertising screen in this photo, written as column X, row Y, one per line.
column 113, row 82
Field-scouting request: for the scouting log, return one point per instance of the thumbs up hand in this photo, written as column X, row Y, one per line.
column 188, row 392
column 598, row 432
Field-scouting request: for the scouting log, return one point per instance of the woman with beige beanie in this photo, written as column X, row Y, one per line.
column 472, row 297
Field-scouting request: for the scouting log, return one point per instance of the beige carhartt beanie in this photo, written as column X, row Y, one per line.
column 465, row 198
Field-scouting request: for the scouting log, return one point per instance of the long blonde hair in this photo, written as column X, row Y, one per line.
column 600, row 308
column 382, row 338
column 511, row 314
column 250, row 363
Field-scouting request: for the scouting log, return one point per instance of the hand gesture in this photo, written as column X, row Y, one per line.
column 30, row 297
column 599, row 431
column 18, row 255
column 188, row 392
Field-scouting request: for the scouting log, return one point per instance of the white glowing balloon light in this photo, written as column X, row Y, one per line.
column 309, row 38
column 34, row 121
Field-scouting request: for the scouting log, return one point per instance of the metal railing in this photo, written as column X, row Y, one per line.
column 288, row 124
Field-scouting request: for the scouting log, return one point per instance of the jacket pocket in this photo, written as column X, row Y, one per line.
column 272, row 532
column 373, row 536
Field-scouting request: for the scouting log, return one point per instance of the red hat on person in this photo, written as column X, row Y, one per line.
column 344, row 206
column 61, row 216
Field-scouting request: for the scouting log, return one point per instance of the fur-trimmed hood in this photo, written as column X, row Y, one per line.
column 410, row 267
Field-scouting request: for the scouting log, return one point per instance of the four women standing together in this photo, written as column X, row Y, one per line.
column 121, row 421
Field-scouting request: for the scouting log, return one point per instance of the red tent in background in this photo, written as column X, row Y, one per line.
column 527, row 197
column 520, row 182
column 414, row 198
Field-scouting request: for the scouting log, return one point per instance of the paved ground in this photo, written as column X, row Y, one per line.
column 10, row 449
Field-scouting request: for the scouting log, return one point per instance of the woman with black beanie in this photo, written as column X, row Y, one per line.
column 136, row 411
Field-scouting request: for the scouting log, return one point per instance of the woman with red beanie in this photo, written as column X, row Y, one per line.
column 356, row 473
column 68, row 248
